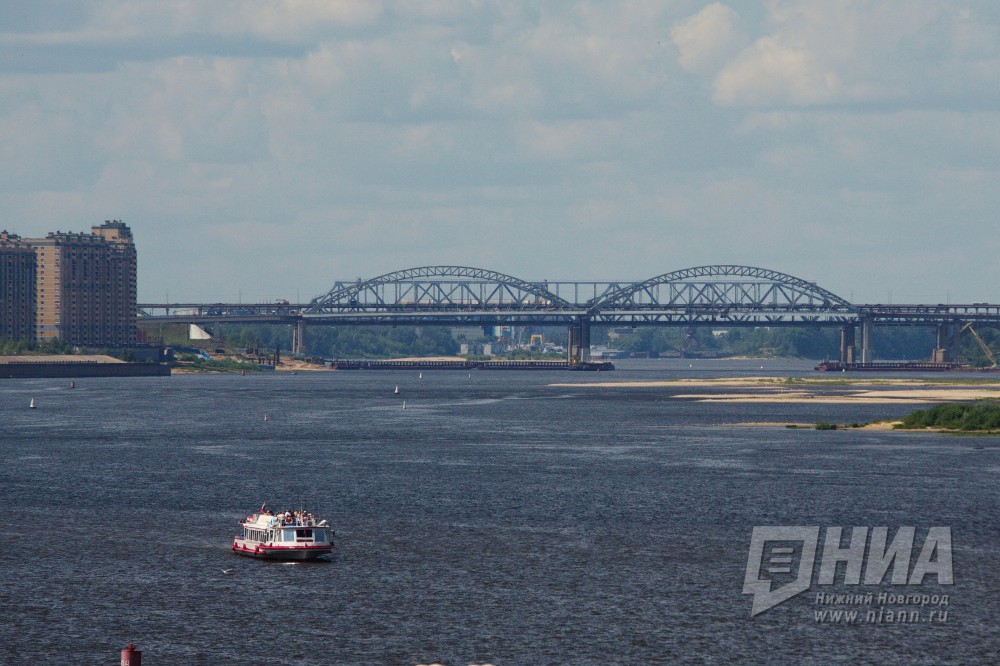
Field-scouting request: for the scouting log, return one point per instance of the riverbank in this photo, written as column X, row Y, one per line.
column 818, row 390
column 75, row 366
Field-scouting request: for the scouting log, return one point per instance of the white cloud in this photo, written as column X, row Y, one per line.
column 850, row 52
column 354, row 138
column 772, row 73
column 709, row 38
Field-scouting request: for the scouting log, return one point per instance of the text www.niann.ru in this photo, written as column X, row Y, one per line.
column 881, row 616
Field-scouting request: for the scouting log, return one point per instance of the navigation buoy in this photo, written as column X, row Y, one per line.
column 396, row 390
column 265, row 417
column 420, row 376
column 32, row 404
column 131, row 656
column 404, row 405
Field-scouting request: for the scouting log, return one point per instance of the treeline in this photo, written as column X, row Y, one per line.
column 10, row 347
column 385, row 342
column 326, row 341
column 373, row 342
column 792, row 342
column 981, row 415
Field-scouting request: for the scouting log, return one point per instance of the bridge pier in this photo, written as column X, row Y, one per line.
column 847, row 349
column 948, row 346
column 299, row 338
column 866, row 340
column 578, row 349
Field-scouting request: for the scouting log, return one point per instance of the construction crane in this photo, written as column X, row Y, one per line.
column 982, row 345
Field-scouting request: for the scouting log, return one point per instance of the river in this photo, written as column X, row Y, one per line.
column 496, row 519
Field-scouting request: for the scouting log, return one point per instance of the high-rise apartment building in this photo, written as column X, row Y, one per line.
column 86, row 286
column 17, row 288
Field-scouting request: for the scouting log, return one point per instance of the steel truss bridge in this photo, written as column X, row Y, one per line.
column 723, row 296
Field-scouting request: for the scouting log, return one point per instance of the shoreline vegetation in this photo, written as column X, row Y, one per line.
column 982, row 416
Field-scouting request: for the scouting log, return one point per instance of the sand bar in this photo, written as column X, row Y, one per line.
column 810, row 398
column 878, row 425
column 786, row 382
column 809, row 390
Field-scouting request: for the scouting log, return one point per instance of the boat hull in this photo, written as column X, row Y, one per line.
column 286, row 554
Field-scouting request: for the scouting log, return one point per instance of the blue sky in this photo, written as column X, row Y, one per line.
column 264, row 149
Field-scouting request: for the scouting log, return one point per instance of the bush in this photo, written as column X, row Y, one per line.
column 976, row 416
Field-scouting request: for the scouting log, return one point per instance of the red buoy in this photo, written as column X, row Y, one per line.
column 131, row 656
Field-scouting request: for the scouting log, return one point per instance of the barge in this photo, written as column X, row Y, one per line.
column 365, row 364
column 888, row 366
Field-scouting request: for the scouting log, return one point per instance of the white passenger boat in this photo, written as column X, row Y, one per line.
column 284, row 535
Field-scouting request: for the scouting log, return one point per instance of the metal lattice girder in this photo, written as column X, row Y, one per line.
column 440, row 288
column 722, row 295
column 724, row 288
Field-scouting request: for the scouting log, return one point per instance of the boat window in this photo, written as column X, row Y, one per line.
column 304, row 534
column 320, row 535
column 289, row 535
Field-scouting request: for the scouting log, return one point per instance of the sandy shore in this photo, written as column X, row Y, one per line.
column 806, row 390
column 785, row 382
column 815, row 399
column 880, row 425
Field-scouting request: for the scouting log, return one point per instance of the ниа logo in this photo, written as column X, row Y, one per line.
column 784, row 547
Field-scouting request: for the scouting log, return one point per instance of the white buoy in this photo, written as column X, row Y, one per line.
column 420, row 376
column 265, row 417
column 32, row 404
column 396, row 390
column 404, row 404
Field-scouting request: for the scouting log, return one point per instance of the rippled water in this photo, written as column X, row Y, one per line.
column 497, row 518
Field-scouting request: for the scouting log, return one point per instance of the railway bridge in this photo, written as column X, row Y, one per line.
column 722, row 296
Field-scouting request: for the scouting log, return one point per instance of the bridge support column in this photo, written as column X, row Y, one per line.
column 948, row 346
column 866, row 340
column 847, row 351
column 299, row 338
column 578, row 349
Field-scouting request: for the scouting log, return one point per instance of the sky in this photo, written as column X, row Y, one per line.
column 264, row 150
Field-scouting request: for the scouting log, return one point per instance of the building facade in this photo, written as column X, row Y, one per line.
column 17, row 288
column 86, row 286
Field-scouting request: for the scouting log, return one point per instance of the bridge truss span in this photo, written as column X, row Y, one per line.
column 723, row 294
column 435, row 291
